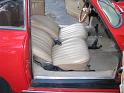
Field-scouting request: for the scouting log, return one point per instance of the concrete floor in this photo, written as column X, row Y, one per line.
column 56, row 10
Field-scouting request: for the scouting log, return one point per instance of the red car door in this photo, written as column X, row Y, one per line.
column 14, row 44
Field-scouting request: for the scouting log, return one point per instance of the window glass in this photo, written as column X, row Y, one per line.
column 12, row 14
column 110, row 12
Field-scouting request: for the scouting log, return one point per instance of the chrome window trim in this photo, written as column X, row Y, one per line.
column 14, row 27
column 120, row 16
column 50, row 77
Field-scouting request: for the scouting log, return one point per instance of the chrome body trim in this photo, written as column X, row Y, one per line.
column 50, row 77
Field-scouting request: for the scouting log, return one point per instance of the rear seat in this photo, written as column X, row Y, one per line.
column 71, row 55
column 48, row 25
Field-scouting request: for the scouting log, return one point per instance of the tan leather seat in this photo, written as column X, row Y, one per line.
column 72, row 31
column 71, row 55
column 48, row 25
column 42, row 45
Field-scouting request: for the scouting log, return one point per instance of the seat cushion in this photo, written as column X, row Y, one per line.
column 71, row 55
column 75, row 30
column 42, row 45
column 46, row 24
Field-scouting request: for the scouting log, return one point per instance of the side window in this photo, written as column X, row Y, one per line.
column 12, row 14
column 110, row 12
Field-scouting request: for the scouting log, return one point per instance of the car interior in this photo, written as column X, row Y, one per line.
column 74, row 51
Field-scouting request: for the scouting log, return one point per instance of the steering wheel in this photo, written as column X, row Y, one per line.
column 86, row 10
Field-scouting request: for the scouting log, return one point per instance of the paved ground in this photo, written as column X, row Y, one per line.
column 56, row 10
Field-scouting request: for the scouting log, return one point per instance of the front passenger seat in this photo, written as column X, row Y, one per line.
column 73, row 54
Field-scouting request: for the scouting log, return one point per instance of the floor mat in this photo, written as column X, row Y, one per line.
column 103, row 60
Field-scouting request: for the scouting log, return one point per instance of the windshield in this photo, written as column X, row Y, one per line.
column 12, row 14
column 110, row 12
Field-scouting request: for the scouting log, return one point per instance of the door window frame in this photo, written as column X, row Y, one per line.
column 14, row 27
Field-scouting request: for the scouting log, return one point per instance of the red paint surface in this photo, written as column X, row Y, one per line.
column 12, row 61
column 14, row 56
column 120, row 4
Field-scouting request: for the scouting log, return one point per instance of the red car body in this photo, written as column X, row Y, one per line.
column 15, row 56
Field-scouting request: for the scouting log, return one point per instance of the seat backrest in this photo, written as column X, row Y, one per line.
column 42, row 45
column 46, row 24
column 77, row 30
